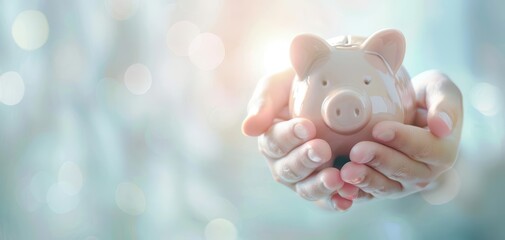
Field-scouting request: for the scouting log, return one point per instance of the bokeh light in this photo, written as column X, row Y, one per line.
column 68, row 62
column 138, row 79
column 39, row 185
column 486, row 98
column 220, row 229
column 207, row 51
column 61, row 198
column 30, row 30
column 447, row 189
column 207, row 204
column 12, row 88
column 33, row 195
column 180, row 36
column 27, row 201
column 71, row 175
column 204, row 12
column 122, row 9
column 130, row 198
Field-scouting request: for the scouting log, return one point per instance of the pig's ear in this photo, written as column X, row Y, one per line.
column 305, row 49
column 388, row 43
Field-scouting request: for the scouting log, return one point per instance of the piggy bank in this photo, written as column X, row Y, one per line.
column 348, row 84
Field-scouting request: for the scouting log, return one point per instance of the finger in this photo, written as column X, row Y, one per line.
column 302, row 161
column 421, row 119
column 443, row 101
column 417, row 143
column 348, row 191
column 369, row 180
column 339, row 203
column 391, row 163
column 320, row 185
column 270, row 97
column 363, row 197
column 284, row 136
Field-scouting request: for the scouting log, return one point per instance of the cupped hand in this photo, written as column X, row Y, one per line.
column 293, row 154
column 405, row 159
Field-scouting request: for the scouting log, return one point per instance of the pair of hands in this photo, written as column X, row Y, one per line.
column 402, row 160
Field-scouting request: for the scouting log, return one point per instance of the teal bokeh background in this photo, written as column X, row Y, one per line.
column 120, row 132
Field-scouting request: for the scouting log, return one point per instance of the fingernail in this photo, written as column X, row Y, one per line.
column 300, row 131
column 326, row 188
column 386, row 135
column 447, row 120
column 356, row 180
column 313, row 156
column 335, row 206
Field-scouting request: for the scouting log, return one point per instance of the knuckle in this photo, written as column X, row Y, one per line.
column 269, row 147
column 375, row 163
column 364, row 196
column 305, row 193
column 366, row 182
column 287, row 174
column 401, row 173
column 380, row 191
column 322, row 189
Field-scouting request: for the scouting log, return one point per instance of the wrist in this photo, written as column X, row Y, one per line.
column 443, row 189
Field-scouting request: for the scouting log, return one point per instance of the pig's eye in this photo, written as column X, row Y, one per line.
column 324, row 83
column 367, row 80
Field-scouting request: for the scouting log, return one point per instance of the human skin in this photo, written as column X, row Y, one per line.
column 402, row 159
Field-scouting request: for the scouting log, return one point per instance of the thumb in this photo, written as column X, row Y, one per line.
column 443, row 100
column 270, row 97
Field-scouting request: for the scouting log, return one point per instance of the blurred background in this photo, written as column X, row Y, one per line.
column 120, row 119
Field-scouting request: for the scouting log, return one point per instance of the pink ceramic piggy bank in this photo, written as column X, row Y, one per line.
column 348, row 84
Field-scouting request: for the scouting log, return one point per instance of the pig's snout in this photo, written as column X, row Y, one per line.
column 346, row 111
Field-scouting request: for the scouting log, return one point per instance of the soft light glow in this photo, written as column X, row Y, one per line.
column 70, row 173
column 180, row 36
column 448, row 189
column 276, row 56
column 12, row 88
column 39, row 185
column 122, row 9
column 33, row 195
column 60, row 199
column 138, row 79
column 130, row 198
column 220, row 229
column 214, row 206
column 204, row 12
column 27, row 201
column 68, row 62
column 30, row 30
column 207, row 51
column 486, row 98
